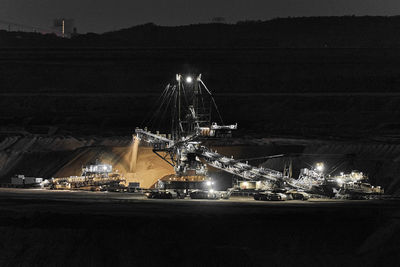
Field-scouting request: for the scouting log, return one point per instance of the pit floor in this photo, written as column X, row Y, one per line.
column 75, row 228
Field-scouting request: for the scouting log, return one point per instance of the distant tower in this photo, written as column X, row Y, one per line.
column 64, row 26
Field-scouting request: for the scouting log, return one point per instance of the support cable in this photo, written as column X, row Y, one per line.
column 212, row 98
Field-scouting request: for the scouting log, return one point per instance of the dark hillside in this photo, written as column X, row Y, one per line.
column 299, row 32
column 324, row 76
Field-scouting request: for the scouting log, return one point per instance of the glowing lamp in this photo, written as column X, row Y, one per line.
column 189, row 79
column 319, row 167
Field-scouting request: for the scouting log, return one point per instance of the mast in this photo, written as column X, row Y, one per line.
column 179, row 106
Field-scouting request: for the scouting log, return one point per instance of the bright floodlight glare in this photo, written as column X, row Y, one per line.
column 339, row 181
column 189, row 79
column 208, row 183
column 211, row 191
column 320, row 166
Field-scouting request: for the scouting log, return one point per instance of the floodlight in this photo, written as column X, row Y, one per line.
column 319, row 166
column 189, row 79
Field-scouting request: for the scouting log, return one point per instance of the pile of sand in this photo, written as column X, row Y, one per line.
column 149, row 167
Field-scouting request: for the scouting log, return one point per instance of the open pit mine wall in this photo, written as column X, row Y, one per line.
column 59, row 156
column 63, row 156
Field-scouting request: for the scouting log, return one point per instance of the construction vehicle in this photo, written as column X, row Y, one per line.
column 133, row 187
column 211, row 194
column 164, row 194
column 95, row 177
column 270, row 196
column 21, row 181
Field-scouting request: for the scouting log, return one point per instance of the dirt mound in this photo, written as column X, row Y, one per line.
column 60, row 156
column 149, row 167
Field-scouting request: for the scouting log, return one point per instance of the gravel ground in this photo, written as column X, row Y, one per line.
column 61, row 228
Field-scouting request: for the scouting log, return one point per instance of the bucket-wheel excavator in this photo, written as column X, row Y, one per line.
column 186, row 108
column 191, row 106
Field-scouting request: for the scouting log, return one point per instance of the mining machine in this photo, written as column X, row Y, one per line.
column 191, row 106
column 187, row 107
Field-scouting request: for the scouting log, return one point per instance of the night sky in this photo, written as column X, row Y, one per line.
column 107, row 15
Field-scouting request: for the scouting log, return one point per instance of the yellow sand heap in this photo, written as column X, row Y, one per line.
column 148, row 167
